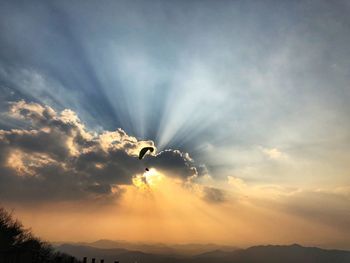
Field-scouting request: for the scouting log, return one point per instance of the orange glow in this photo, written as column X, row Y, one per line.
column 159, row 208
column 149, row 179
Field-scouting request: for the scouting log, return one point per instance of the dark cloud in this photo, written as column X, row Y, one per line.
column 57, row 158
column 213, row 195
column 178, row 163
column 100, row 188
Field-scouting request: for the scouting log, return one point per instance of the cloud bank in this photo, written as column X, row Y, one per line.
column 55, row 157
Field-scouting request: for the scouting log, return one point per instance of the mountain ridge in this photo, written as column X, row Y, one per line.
column 255, row 254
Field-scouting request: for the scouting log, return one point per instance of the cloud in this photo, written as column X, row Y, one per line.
column 213, row 195
column 274, row 153
column 178, row 163
column 237, row 183
column 56, row 157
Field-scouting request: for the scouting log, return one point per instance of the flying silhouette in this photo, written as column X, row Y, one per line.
column 143, row 151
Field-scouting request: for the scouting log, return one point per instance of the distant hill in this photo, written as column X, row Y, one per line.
column 277, row 254
column 258, row 254
column 159, row 248
column 112, row 254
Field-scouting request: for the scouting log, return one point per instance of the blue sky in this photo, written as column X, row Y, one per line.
column 188, row 75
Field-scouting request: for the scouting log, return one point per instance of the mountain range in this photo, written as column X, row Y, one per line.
column 173, row 254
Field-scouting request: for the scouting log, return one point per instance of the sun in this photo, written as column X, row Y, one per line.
column 149, row 179
column 153, row 177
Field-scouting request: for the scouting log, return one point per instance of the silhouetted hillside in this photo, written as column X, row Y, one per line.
column 19, row 245
column 257, row 254
column 293, row 253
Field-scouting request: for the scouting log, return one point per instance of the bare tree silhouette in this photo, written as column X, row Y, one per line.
column 18, row 244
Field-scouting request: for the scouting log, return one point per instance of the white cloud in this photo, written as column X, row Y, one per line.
column 274, row 153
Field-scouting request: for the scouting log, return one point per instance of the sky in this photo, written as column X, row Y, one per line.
column 245, row 102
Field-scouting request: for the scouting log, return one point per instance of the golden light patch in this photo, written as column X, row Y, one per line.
column 99, row 165
column 15, row 162
column 25, row 164
column 149, row 179
column 140, row 181
column 71, row 146
column 153, row 177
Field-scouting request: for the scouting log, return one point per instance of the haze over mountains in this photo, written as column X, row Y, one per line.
column 154, row 248
column 159, row 253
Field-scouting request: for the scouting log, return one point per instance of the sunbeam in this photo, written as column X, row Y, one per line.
column 177, row 121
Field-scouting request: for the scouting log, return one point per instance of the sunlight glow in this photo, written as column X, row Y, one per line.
column 148, row 179
column 153, row 177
